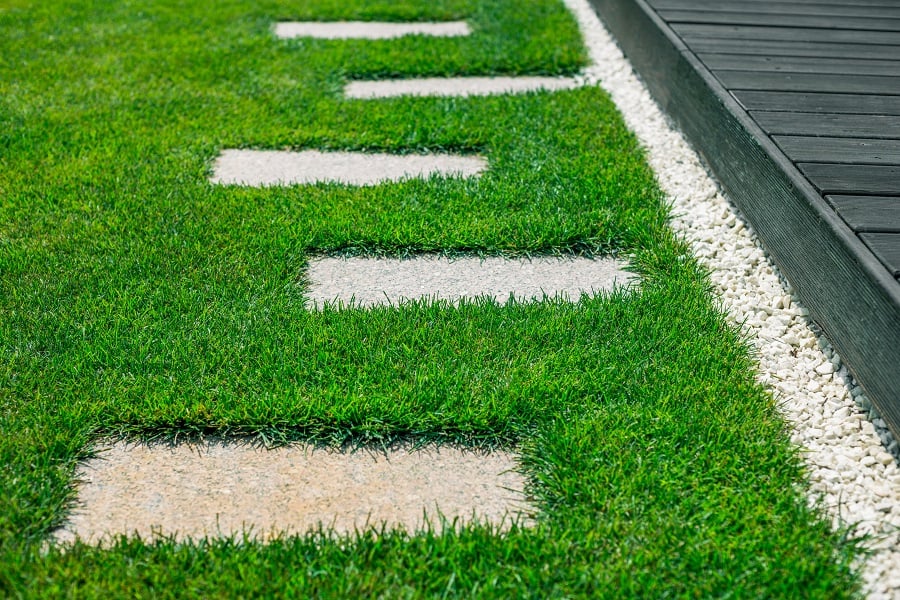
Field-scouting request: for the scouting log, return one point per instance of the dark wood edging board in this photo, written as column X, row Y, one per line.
column 847, row 290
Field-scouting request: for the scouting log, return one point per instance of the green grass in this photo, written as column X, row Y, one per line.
column 137, row 300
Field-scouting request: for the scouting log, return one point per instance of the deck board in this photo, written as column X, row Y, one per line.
column 846, row 9
column 886, row 246
column 852, row 179
column 694, row 31
column 784, row 20
column 799, row 64
column 869, row 214
column 790, row 47
column 854, row 151
column 810, row 82
column 816, row 102
column 879, row 127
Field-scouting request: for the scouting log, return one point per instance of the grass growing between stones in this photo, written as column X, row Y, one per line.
column 138, row 300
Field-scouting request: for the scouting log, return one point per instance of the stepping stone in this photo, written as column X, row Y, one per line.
column 342, row 30
column 273, row 167
column 374, row 281
column 456, row 86
column 222, row 489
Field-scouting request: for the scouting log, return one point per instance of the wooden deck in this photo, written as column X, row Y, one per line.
column 795, row 105
column 808, row 105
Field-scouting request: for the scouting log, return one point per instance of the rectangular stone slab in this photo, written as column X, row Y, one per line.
column 220, row 489
column 372, row 281
column 275, row 167
column 369, row 30
column 456, row 86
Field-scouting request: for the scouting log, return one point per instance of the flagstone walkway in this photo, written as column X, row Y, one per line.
column 224, row 488
column 825, row 418
column 227, row 489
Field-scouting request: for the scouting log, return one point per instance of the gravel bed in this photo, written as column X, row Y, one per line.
column 850, row 454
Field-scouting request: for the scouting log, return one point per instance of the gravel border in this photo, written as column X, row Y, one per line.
column 850, row 454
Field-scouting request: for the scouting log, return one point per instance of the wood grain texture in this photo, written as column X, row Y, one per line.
column 845, row 286
column 812, row 102
column 744, row 17
column 858, row 8
column 856, row 151
column 879, row 127
column 795, row 48
column 810, row 82
column 690, row 32
column 886, row 246
column 799, row 64
column 869, row 214
column 853, row 179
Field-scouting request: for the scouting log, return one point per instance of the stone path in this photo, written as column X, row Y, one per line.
column 456, row 86
column 374, row 281
column 273, row 167
column 344, row 30
column 225, row 488
column 827, row 418
column 222, row 489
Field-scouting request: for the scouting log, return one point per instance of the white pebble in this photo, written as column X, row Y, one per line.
column 826, row 368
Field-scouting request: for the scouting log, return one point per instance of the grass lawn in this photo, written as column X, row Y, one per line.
column 138, row 300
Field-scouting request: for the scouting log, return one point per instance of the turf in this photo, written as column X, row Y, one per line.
column 138, row 300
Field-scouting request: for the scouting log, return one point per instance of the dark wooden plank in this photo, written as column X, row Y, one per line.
column 853, row 179
column 868, row 214
column 854, row 151
column 832, row 270
column 849, row 9
column 886, row 247
column 813, row 124
column 690, row 32
column 779, row 20
column 818, row 103
column 794, row 48
column 797, row 64
column 810, row 82
column 832, row 2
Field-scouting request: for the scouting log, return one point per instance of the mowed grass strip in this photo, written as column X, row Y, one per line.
column 136, row 299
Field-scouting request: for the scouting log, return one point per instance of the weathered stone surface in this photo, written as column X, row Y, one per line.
column 221, row 489
column 274, row 167
column 369, row 30
column 456, row 86
column 370, row 281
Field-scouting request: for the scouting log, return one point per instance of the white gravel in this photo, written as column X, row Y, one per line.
column 456, row 86
column 372, row 281
column 368, row 30
column 277, row 167
column 850, row 454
